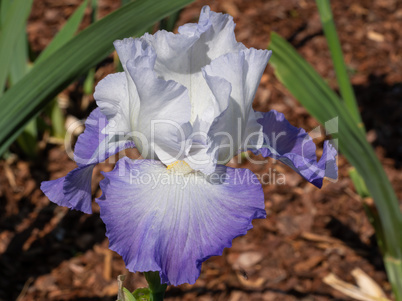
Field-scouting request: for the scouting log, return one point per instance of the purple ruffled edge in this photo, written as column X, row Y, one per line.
column 295, row 148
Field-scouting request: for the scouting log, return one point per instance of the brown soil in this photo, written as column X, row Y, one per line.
column 50, row 253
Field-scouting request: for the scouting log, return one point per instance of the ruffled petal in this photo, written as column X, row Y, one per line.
column 164, row 112
column 242, row 71
column 181, row 57
column 111, row 95
column 162, row 221
column 295, row 148
column 92, row 147
column 95, row 145
column 130, row 49
column 216, row 34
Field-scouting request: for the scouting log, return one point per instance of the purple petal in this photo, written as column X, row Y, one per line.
column 54, row 191
column 295, row 148
column 162, row 221
column 89, row 140
column 92, row 147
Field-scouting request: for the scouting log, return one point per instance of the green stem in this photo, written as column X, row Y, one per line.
column 334, row 45
column 157, row 289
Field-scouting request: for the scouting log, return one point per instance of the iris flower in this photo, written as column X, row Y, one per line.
column 185, row 102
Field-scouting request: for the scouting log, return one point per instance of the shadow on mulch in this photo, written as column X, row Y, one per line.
column 381, row 112
column 73, row 235
column 352, row 239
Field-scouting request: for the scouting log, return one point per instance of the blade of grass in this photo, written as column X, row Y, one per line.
column 25, row 99
column 12, row 25
column 334, row 45
column 66, row 33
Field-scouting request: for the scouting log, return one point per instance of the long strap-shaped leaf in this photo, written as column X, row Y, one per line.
column 311, row 90
column 66, row 33
column 25, row 99
column 12, row 25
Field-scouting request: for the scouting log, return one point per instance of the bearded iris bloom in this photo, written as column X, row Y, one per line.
column 185, row 102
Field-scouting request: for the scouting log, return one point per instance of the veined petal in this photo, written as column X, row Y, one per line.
column 162, row 221
column 164, row 112
column 130, row 49
column 295, row 148
column 54, row 191
column 111, row 95
column 93, row 146
column 243, row 71
column 254, row 135
column 72, row 191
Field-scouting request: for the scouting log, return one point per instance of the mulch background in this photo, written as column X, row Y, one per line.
column 50, row 253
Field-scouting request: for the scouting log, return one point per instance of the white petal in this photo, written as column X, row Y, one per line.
column 181, row 57
column 130, row 49
column 112, row 98
column 164, row 112
column 243, row 71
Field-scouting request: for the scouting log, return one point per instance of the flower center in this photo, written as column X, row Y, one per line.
column 180, row 167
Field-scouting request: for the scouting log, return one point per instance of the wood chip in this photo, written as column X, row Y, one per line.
column 366, row 292
column 375, row 36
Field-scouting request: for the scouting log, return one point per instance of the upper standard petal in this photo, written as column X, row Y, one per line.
column 181, row 57
column 242, row 71
column 164, row 112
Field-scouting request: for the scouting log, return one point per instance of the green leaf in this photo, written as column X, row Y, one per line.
column 142, row 294
column 57, row 117
column 124, row 2
column 334, row 45
column 12, row 24
column 128, row 296
column 359, row 184
column 19, row 64
column 25, row 99
column 318, row 98
column 28, row 140
column 95, row 11
column 17, row 70
column 89, row 82
column 66, row 33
